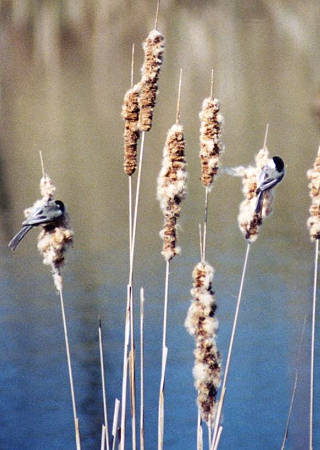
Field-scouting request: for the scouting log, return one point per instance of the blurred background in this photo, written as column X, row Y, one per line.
column 65, row 66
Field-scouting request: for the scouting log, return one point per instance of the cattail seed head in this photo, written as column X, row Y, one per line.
column 130, row 114
column 211, row 146
column 203, row 325
column 313, row 221
column 54, row 239
column 153, row 57
column 250, row 221
column 172, row 188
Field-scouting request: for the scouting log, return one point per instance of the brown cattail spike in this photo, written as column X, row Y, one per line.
column 203, row 325
column 313, row 222
column 211, row 146
column 153, row 57
column 130, row 114
column 172, row 188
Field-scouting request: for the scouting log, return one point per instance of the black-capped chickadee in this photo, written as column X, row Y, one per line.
column 47, row 214
column 271, row 174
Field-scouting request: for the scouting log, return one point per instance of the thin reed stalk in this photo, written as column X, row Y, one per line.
column 205, row 223
column 164, row 359
column 73, row 398
column 294, row 385
column 141, row 369
column 199, row 432
column 226, row 372
column 313, row 333
column 104, row 396
column 161, row 399
column 103, row 438
column 125, row 373
column 115, row 423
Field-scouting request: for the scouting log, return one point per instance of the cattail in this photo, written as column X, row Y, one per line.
column 153, row 56
column 203, row 325
column 250, row 221
column 172, row 188
column 130, row 114
column 53, row 240
column 211, row 146
column 313, row 222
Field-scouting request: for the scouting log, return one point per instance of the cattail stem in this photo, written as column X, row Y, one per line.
column 165, row 309
column 135, row 216
column 157, row 15
column 199, row 432
column 179, row 99
column 73, row 398
column 313, row 331
column 164, row 359
column 125, row 374
column 130, row 223
column 115, row 423
column 104, row 397
column 225, row 377
column 161, row 399
column 141, row 369
column 294, row 385
column 103, row 438
column 42, row 164
column 215, row 444
column 205, row 223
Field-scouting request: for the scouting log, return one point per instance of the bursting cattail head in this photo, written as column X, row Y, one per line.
column 249, row 220
column 211, row 146
column 313, row 222
column 153, row 57
column 54, row 239
column 203, row 325
column 130, row 114
column 172, row 187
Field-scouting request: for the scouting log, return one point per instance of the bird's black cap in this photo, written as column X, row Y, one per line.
column 278, row 162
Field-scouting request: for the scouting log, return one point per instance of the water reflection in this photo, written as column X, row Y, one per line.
column 266, row 62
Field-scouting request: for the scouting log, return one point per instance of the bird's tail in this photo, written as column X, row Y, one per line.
column 17, row 238
column 259, row 203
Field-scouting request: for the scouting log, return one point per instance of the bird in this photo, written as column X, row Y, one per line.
column 49, row 213
column 270, row 175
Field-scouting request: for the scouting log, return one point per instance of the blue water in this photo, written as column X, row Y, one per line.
column 35, row 403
